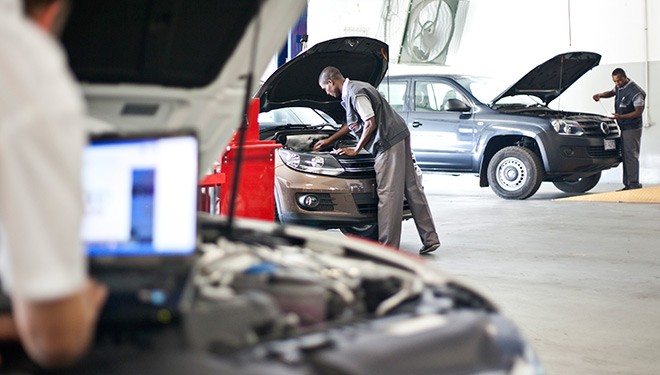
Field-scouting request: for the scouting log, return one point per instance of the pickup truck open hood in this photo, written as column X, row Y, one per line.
column 168, row 64
column 295, row 84
column 550, row 79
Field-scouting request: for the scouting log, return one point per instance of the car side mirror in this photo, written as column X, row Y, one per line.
column 456, row 105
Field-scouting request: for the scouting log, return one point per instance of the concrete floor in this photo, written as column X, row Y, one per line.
column 581, row 279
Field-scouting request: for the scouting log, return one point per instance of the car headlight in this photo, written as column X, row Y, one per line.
column 311, row 163
column 567, row 127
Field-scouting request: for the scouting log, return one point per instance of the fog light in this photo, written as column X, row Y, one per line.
column 308, row 201
column 567, row 151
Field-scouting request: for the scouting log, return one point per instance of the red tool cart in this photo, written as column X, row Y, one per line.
column 255, row 192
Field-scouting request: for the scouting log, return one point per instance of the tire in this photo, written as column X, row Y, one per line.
column 581, row 185
column 368, row 231
column 515, row 172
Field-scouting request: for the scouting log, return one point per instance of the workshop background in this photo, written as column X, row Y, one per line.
column 507, row 38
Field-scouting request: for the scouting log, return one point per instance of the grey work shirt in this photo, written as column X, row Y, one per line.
column 390, row 126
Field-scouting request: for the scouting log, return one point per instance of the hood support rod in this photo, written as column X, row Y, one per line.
column 242, row 130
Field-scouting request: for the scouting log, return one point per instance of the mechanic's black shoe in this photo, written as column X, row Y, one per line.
column 631, row 187
column 428, row 249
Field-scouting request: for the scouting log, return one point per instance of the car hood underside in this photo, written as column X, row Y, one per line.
column 295, row 84
column 168, row 64
column 550, row 79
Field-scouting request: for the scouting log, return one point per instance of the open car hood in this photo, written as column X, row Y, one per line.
column 168, row 64
column 550, row 79
column 295, row 84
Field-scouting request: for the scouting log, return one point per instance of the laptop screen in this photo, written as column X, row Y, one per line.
column 140, row 194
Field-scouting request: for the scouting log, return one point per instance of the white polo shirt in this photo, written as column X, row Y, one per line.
column 42, row 135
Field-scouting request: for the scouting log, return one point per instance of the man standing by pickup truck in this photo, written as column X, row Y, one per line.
column 383, row 133
column 628, row 107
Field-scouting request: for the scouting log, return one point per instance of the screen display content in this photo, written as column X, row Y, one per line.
column 140, row 195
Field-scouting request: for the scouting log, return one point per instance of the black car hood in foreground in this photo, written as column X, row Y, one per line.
column 168, row 64
column 550, row 79
column 295, row 84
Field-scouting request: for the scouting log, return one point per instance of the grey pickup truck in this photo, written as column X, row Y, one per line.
column 514, row 141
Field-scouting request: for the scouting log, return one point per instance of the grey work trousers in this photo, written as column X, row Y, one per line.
column 630, row 145
column 396, row 177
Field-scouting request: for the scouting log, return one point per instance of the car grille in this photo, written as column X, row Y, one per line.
column 367, row 203
column 357, row 167
column 592, row 128
column 598, row 152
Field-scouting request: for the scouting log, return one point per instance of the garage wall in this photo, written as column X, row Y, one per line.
column 507, row 38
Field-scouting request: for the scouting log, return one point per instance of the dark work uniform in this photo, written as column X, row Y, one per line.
column 395, row 172
column 631, row 131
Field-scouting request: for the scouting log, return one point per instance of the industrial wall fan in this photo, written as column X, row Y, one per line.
column 430, row 28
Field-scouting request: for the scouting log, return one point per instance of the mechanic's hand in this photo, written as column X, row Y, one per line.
column 345, row 151
column 596, row 97
column 97, row 294
column 320, row 145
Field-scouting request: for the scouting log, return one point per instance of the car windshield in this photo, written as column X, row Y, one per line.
column 484, row 89
column 294, row 116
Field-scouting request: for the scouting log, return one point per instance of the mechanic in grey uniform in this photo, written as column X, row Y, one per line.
column 382, row 132
column 628, row 107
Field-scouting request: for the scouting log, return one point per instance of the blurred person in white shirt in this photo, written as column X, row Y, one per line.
column 55, row 305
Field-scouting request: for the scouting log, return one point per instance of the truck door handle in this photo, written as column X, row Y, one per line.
column 416, row 124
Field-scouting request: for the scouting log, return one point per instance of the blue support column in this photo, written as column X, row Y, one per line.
column 296, row 40
column 298, row 35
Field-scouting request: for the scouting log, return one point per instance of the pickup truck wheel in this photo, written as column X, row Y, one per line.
column 515, row 172
column 581, row 185
column 368, row 231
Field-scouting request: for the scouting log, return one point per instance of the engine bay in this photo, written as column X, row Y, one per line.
column 304, row 139
column 262, row 298
column 278, row 286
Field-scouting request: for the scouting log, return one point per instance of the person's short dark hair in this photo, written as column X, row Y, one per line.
column 619, row 72
column 328, row 73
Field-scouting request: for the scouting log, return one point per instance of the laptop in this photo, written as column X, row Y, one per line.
column 139, row 225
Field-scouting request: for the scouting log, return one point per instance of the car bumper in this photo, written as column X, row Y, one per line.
column 324, row 201
column 579, row 156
